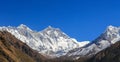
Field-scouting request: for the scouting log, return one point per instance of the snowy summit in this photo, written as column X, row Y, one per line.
column 50, row 41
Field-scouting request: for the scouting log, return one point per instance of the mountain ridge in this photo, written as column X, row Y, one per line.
column 50, row 41
column 110, row 36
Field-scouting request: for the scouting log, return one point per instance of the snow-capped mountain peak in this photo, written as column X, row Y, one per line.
column 50, row 41
column 49, row 28
column 54, row 32
column 110, row 36
column 24, row 27
column 112, row 29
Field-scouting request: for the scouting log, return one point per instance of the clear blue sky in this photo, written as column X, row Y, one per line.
column 80, row 19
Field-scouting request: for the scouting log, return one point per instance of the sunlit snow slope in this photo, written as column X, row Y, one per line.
column 50, row 41
column 106, row 39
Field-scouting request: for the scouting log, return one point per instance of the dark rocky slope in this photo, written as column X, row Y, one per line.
column 13, row 50
column 111, row 54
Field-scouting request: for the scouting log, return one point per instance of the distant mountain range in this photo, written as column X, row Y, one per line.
column 50, row 41
column 53, row 45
